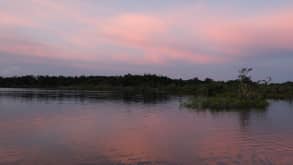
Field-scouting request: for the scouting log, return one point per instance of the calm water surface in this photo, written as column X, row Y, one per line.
column 39, row 127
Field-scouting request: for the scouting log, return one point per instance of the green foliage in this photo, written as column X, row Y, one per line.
column 226, row 103
column 241, row 93
column 249, row 94
column 157, row 84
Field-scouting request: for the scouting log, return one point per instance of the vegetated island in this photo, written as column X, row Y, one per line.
column 241, row 93
column 248, row 95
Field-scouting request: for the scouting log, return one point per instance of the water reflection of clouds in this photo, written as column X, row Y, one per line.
column 112, row 132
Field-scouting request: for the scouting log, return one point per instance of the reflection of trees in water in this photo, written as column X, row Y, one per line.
column 245, row 117
column 86, row 96
column 145, row 98
column 290, row 101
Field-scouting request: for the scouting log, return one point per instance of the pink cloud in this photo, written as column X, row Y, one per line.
column 30, row 48
column 143, row 32
column 131, row 30
column 272, row 30
column 136, row 27
column 91, row 37
column 7, row 19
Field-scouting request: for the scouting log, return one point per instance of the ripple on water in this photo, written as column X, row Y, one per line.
column 116, row 132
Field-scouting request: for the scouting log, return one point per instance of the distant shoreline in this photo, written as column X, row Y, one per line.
column 146, row 84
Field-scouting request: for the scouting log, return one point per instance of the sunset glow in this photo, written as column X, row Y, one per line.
column 175, row 38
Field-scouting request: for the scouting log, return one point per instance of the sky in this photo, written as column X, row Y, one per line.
column 179, row 39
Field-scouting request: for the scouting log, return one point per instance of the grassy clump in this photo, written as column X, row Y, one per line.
column 226, row 103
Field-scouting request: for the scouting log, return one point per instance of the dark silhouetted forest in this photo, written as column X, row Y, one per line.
column 149, row 83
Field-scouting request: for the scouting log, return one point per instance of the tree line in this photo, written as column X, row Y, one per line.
column 155, row 83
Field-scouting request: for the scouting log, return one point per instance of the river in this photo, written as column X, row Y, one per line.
column 43, row 127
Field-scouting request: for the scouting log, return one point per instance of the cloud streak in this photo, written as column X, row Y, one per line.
column 192, row 33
